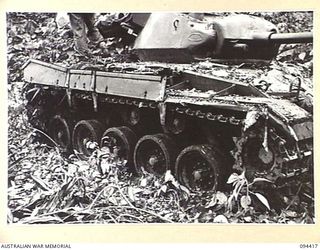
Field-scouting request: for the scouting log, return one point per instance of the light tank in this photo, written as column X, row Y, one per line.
column 159, row 115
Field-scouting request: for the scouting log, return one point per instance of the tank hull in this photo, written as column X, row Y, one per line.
column 177, row 114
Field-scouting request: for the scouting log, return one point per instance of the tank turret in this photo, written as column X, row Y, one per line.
column 181, row 38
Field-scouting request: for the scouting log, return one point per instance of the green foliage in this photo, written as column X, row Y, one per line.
column 241, row 189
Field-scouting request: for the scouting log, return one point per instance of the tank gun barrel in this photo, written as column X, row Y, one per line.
column 286, row 38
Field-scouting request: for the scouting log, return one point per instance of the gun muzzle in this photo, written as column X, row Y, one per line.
column 287, row 38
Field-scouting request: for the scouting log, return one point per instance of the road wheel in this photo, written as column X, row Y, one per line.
column 198, row 167
column 155, row 154
column 59, row 130
column 85, row 134
column 120, row 141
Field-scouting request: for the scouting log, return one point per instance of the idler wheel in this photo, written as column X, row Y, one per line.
column 59, row 130
column 198, row 167
column 155, row 154
column 120, row 141
column 85, row 133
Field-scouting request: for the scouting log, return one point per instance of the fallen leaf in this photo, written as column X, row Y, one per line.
column 220, row 219
column 72, row 169
column 131, row 194
column 259, row 179
column 233, row 178
column 168, row 176
column 218, row 198
column 245, row 201
column 28, row 186
column 41, row 220
column 40, row 183
column 291, row 214
column 263, row 200
column 247, row 219
column 143, row 182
